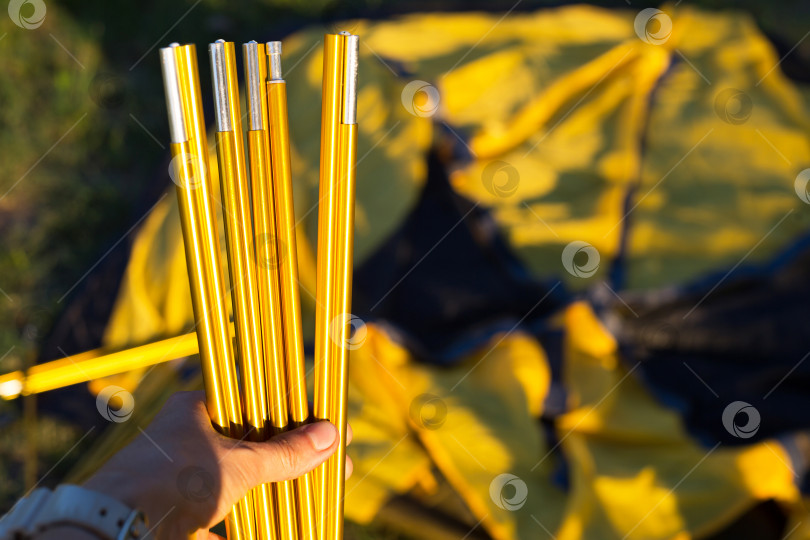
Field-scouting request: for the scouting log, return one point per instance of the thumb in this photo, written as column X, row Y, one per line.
column 291, row 454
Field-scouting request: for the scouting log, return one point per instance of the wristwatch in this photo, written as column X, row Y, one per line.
column 72, row 506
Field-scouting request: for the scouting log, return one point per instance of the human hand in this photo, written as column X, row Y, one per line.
column 186, row 477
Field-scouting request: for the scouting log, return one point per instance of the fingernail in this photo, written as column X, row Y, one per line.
column 322, row 434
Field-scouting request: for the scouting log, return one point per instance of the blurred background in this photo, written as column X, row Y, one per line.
column 629, row 279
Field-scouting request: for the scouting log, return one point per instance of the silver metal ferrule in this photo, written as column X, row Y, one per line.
column 274, row 60
column 350, row 81
column 171, row 86
column 219, row 77
column 254, row 83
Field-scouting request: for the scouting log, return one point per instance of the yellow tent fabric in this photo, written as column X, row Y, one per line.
column 634, row 471
column 594, row 122
column 618, row 113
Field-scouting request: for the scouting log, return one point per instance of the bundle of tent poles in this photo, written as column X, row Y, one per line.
column 253, row 368
column 259, row 223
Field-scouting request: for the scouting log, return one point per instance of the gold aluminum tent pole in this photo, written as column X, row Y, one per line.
column 239, row 247
column 94, row 364
column 195, row 200
column 334, row 265
column 288, row 266
column 333, row 47
column 347, row 137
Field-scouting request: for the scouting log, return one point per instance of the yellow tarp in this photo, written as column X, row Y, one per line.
column 586, row 113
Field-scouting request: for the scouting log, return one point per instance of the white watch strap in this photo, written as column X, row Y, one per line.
column 73, row 506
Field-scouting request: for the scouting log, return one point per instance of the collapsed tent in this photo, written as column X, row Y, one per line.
column 577, row 246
